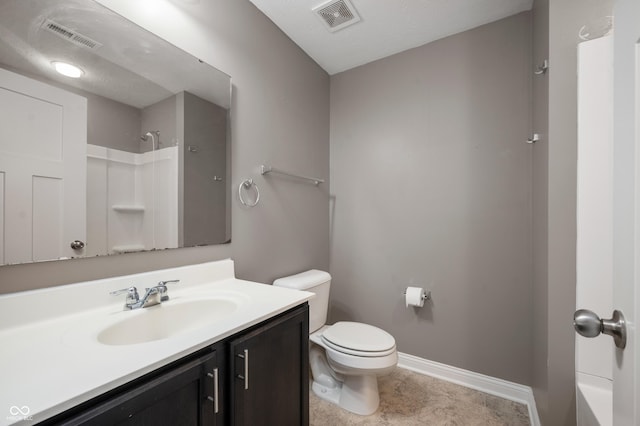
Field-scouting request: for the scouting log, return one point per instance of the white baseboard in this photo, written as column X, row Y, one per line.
column 491, row 385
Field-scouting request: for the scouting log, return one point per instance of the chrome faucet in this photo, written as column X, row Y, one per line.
column 153, row 296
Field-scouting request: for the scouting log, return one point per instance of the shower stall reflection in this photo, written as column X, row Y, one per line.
column 132, row 199
column 163, row 189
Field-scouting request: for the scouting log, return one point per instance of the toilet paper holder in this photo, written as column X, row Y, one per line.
column 425, row 296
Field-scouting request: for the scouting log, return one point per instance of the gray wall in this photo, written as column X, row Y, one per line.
column 431, row 186
column 111, row 124
column 540, row 125
column 160, row 116
column 280, row 116
column 205, row 128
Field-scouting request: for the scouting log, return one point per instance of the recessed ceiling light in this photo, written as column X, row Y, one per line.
column 67, row 69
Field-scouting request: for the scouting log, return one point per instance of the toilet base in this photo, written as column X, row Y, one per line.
column 357, row 394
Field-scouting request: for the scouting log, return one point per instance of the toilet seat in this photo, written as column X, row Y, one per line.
column 358, row 339
column 353, row 352
column 348, row 364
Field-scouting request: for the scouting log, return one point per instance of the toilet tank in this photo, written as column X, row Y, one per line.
column 317, row 282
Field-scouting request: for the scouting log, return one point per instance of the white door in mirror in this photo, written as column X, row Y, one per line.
column 43, row 136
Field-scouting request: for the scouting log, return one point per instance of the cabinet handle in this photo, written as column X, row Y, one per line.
column 246, row 368
column 214, row 376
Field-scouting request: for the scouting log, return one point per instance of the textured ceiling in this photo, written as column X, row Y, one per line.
column 386, row 26
column 132, row 65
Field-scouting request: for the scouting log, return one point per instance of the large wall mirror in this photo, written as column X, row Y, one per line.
column 112, row 140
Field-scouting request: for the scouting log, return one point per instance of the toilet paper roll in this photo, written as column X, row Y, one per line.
column 415, row 296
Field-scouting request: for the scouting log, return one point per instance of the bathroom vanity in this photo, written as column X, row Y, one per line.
column 219, row 351
column 257, row 376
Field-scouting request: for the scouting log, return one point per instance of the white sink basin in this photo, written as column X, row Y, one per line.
column 166, row 320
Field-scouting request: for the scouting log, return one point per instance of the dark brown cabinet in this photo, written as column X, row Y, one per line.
column 184, row 395
column 269, row 386
column 256, row 377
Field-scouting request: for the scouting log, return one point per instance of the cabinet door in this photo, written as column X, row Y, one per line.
column 270, row 365
column 184, row 395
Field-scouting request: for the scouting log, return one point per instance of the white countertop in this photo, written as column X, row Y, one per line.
column 51, row 359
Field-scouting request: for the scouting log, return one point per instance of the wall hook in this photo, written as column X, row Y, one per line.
column 542, row 69
column 534, row 139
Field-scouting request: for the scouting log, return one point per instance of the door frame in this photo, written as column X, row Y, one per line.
column 626, row 208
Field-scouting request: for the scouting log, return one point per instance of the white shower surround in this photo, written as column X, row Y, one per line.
column 132, row 199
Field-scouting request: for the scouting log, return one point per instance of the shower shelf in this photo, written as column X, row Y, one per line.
column 125, row 208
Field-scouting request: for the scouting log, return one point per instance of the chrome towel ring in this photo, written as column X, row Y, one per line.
column 247, row 184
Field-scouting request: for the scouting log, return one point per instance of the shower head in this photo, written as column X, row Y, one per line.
column 154, row 139
column 145, row 137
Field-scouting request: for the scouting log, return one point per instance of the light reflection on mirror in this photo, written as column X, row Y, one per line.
column 132, row 155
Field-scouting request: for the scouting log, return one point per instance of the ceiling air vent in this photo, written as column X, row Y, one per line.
column 70, row 35
column 337, row 14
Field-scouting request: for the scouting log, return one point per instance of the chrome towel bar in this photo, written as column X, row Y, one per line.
column 268, row 169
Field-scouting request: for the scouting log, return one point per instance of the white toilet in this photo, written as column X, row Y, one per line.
column 346, row 357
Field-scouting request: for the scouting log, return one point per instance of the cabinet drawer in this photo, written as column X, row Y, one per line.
column 184, row 395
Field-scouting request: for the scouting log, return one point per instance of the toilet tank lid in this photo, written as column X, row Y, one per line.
column 303, row 280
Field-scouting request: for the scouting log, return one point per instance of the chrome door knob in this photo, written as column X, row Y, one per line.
column 588, row 324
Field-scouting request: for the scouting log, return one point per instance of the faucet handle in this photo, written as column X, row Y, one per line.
column 163, row 289
column 132, row 295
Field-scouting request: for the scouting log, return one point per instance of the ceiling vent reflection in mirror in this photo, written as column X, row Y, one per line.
column 337, row 14
column 70, row 35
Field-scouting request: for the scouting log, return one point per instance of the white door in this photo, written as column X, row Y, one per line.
column 626, row 207
column 609, row 246
column 43, row 134
column 594, row 255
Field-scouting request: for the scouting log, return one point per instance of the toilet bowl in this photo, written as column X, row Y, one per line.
column 345, row 374
column 346, row 357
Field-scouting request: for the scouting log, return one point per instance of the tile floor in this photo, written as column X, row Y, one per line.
column 411, row 399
